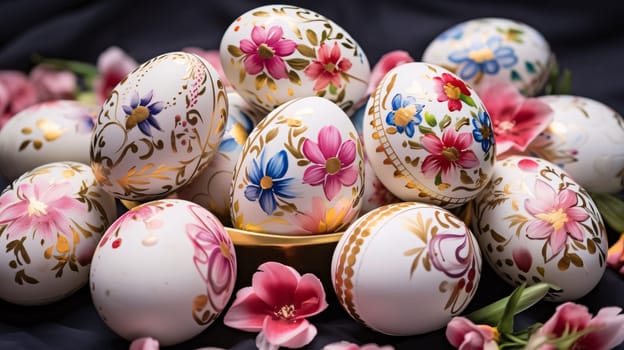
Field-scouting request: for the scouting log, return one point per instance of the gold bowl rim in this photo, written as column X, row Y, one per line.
column 249, row 238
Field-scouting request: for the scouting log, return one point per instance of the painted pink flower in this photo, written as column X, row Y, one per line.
column 277, row 305
column 332, row 161
column 516, row 120
column 615, row 256
column 522, row 258
column 53, row 84
column 451, row 253
column 384, row 65
column 448, row 153
column 214, row 258
column 213, row 57
column 265, row 50
column 528, row 165
column 344, row 345
column 113, row 66
column 556, row 216
column 328, row 67
column 145, row 343
column 40, row 206
column 465, row 335
column 602, row 332
column 16, row 93
column 322, row 219
column 452, row 90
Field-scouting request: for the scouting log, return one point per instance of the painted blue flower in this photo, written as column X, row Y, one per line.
column 236, row 131
column 486, row 58
column 267, row 183
column 483, row 131
column 140, row 112
column 405, row 114
column 455, row 33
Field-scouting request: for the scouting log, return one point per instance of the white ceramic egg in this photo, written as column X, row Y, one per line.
column 44, row 133
column 406, row 268
column 159, row 128
column 301, row 171
column 275, row 53
column 586, row 139
column 485, row 49
column 535, row 224
column 428, row 136
column 209, row 189
column 51, row 219
column 165, row 269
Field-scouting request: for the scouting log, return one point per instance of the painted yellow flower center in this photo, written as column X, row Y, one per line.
column 286, row 312
column 452, row 91
column 557, row 218
column 485, row 132
column 330, row 67
column 265, row 52
column 225, row 250
column 37, row 208
column 332, row 165
column 266, row 182
column 450, row 153
column 139, row 114
column 481, row 55
column 404, row 115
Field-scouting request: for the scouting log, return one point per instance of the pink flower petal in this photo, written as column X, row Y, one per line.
column 312, row 151
column 253, row 64
column 322, row 81
column 431, row 165
column 432, row 144
column 314, row 70
column 247, row 312
column 348, row 176
column 314, row 175
column 567, row 198
column 248, row 47
column 334, row 55
column 571, row 315
column 539, row 229
column 468, row 160
column 329, row 141
column 309, row 296
column 145, row 343
column 289, row 334
column 284, row 47
column 347, row 152
column 558, row 240
column 501, row 99
column 344, row 65
column 275, row 283
column 577, row 214
column 575, row 230
column 323, row 55
column 276, row 67
column 332, row 186
column 258, row 35
column 609, row 330
column 274, row 35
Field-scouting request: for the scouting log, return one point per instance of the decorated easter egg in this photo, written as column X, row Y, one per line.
column 406, row 268
column 487, row 49
column 275, row 53
column 51, row 219
column 301, row 171
column 428, row 136
column 536, row 224
column 159, row 128
column 209, row 189
column 44, row 133
column 586, row 139
column 165, row 269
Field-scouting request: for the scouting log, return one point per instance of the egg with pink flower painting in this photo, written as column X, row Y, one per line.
column 51, row 219
column 275, row 53
column 534, row 223
column 301, row 171
column 428, row 136
column 165, row 269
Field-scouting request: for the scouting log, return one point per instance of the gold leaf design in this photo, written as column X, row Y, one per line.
column 465, row 178
column 293, row 77
column 143, row 176
column 26, row 131
column 298, row 63
column 51, row 131
column 260, row 80
column 271, row 134
column 235, row 51
column 311, row 36
column 461, row 122
column 37, row 144
column 306, row 51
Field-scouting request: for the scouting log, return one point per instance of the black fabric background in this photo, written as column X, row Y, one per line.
column 587, row 37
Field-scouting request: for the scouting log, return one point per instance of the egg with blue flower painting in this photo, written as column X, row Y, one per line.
column 159, row 127
column 485, row 49
column 428, row 136
column 301, row 171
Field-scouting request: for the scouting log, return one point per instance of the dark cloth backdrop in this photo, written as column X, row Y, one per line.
column 587, row 37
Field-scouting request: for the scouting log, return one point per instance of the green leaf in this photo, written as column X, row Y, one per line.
column 430, row 119
column 332, row 88
column 491, row 314
column 424, row 130
column 505, row 325
column 612, row 210
column 515, row 76
column 438, row 179
column 298, row 63
column 446, row 121
column 467, row 100
column 529, row 67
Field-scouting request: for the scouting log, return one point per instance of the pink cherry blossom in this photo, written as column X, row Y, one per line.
column 465, row 335
column 53, row 84
column 214, row 257
column 113, row 66
column 615, row 256
column 40, row 207
column 344, row 345
column 516, row 120
column 448, row 153
column 328, row 67
column 602, row 332
column 384, row 65
column 322, row 219
column 277, row 305
column 213, row 57
column 555, row 216
column 332, row 161
column 16, row 93
column 145, row 343
column 266, row 49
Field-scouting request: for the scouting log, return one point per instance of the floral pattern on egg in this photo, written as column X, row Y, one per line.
column 273, row 54
column 428, row 136
column 493, row 48
column 536, row 224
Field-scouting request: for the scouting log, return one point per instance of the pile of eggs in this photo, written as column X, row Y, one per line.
column 290, row 148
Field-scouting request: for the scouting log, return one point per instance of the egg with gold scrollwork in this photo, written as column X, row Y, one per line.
column 159, row 127
column 275, row 53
